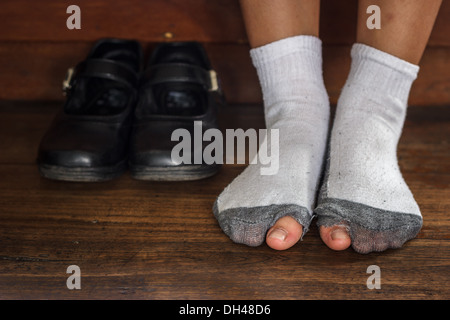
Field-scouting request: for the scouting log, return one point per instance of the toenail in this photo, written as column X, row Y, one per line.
column 338, row 234
column 279, row 234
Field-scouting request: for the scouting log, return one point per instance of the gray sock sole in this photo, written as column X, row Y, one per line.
column 371, row 229
column 248, row 225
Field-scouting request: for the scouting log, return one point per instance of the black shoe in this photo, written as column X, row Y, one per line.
column 88, row 139
column 178, row 87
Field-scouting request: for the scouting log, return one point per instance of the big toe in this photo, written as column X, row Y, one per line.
column 284, row 234
column 335, row 237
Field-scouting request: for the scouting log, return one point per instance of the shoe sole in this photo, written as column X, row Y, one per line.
column 79, row 174
column 181, row 173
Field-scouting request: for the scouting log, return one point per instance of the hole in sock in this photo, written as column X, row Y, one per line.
column 370, row 229
column 250, row 234
column 365, row 240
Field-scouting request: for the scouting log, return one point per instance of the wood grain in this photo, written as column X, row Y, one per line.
column 151, row 21
column 159, row 240
column 36, row 47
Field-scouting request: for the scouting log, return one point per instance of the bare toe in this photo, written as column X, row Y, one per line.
column 335, row 237
column 284, row 234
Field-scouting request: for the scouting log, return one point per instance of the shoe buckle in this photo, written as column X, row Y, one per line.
column 213, row 81
column 67, row 83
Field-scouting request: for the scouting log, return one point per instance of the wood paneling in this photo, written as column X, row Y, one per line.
column 201, row 20
column 36, row 48
column 149, row 21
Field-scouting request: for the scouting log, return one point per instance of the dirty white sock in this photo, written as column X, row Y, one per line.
column 296, row 103
column 363, row 188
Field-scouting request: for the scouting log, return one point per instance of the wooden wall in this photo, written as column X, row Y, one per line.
column 36, row 47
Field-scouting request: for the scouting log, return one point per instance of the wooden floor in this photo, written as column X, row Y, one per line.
column 159, row 240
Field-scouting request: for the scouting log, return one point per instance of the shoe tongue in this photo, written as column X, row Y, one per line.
column 183, row 99
column 180, row 57
column 126, row 57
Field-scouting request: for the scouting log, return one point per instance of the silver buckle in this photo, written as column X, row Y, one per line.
column 213, row 80
column 67, row 83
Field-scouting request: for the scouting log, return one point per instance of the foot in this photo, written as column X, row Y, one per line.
column 364, row 199
column 278, row 207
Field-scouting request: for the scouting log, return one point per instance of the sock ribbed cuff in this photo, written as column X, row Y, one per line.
column 381, row 71
column 293, row 58
column 280, row 48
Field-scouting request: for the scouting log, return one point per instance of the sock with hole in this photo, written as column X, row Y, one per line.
column 363, row 188
column 296, row 104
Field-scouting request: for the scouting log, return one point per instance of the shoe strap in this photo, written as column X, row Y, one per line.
column 104, row 69
column 180, row 72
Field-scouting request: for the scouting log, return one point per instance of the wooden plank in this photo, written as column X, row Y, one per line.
column 160, row 20
column 34, row 71
column 202, row 20
column 159, row 240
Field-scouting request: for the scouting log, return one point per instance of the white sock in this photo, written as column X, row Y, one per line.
column 363, row 187
column 296, row 103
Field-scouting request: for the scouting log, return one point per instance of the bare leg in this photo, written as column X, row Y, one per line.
column 267, row 20
column 405, row 29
